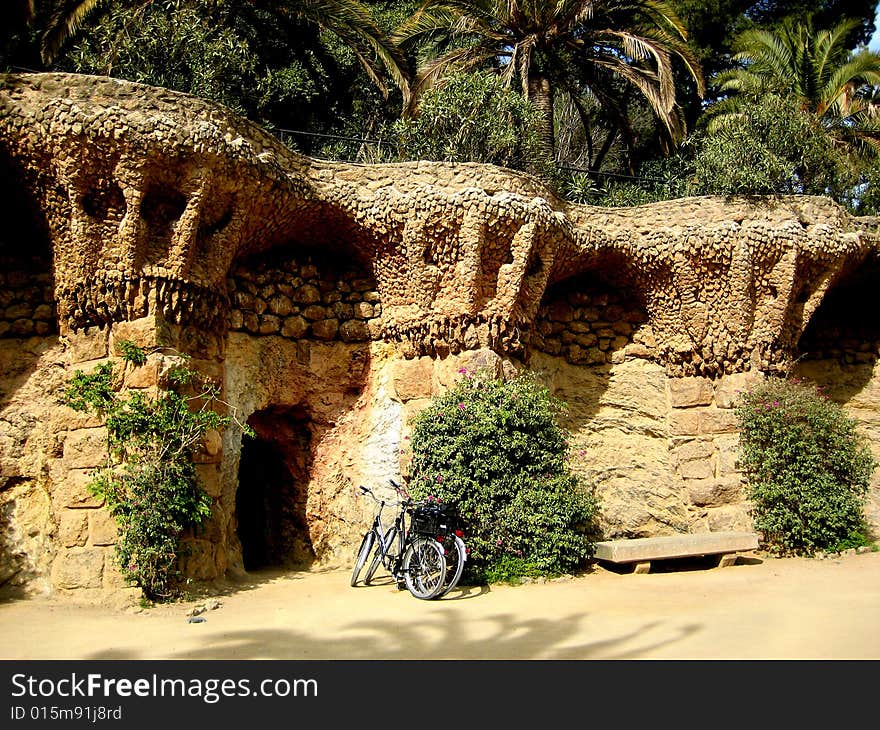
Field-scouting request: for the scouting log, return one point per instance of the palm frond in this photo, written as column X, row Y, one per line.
column 64, row 22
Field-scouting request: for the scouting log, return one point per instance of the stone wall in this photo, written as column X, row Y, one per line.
column 304, row 299
column 331, row 301
column 589, row 322
column 27, row 302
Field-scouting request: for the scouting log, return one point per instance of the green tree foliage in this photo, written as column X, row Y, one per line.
column 192, row 48
column 808, row 468
column 348, row 19
column 771, row 147
column 815, row 68
column 148, row 481
column 302, row 64
column 659, row 179
column 493, row 449
column 816, row 73
column 575, row 47
column 471, row 118
column 823, row 13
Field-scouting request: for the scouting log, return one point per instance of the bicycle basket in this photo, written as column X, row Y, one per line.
column 430, row 518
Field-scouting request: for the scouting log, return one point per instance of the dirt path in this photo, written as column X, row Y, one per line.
column 761, row 608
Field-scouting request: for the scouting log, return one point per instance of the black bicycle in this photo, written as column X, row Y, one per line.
column 415, row 560
column 436, row 519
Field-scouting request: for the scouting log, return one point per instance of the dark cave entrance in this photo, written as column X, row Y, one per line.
column 840, row 346
column 845, row 326
column 270, row 502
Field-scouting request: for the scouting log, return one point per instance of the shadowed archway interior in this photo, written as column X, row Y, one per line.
column 273, row 480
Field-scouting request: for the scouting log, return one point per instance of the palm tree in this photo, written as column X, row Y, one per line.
column 815, row 69
column 567, row 46
column 351, row 21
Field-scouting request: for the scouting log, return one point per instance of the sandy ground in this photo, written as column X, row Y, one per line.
column 760, row 608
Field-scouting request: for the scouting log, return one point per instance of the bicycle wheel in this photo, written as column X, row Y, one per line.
column 424, row 568
column 455, row 558
column 366, row 546
column 378, row 555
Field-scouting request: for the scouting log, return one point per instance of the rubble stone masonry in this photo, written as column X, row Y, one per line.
column 330, row 301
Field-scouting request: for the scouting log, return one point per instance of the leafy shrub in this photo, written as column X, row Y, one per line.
column 148, row 481
column 493, row 449
column 658, row 179
column 807, row 467
column 470, row 118
column 770, row 147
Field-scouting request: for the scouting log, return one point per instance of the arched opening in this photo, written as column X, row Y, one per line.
column 588, row 317
column 273, row 479
column 27, row 305
column 845, row 326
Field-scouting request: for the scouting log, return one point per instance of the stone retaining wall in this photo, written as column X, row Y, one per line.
column 27, row 303
column 302, row 298
column 171, row 222
column 587, row 321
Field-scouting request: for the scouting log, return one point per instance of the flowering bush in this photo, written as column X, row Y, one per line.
column 494, row 451
column 149, row 480
column 807, row 467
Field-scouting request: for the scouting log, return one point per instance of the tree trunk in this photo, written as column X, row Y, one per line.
column 541, row 97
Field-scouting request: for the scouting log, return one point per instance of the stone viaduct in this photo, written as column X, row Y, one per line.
column 331, row 300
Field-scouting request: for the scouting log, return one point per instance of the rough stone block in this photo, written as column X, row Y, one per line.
column 70, row 491
column 326, row 329
column 685, row 422
column 730, row 517
column 701, row 421
column 712, row 492
column 413, row 378
column 354, row 331
column 85, row 448
column 208, row 477
column 689, row 392
column 697, row 469
column 693, row 450
column 144, row 332
column 728, row 389
column 73, row 527
column 79, row 567
column 103, row 529
column 294, row 327
column 198, row 560
column 716, row 421
column 728, row 454
column 88, row 344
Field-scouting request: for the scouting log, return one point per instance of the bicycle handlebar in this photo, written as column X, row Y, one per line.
column 399, row 489
column 404, row 502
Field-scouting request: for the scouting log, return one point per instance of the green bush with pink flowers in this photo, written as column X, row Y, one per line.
column 807, row 468
column 493, row 449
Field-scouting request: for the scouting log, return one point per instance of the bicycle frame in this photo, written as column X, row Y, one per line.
column 395, row 533
column 419, row 562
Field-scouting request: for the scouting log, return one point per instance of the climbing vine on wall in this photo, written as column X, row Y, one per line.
column 148, row 480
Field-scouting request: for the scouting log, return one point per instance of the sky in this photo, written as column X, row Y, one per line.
column 874, row 43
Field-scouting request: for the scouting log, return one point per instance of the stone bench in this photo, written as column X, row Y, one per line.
column 642, row 550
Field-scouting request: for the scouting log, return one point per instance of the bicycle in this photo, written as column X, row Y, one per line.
column 432, row 518
column 417, row 561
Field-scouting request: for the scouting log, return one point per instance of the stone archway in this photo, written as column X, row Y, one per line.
column 845, row 327
column 270, row 502
column 839, row 351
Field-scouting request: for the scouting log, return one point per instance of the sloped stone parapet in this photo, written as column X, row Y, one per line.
column 152, row 196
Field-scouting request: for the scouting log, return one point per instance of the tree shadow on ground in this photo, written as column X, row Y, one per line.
column 445, row 629
column 440, row 637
